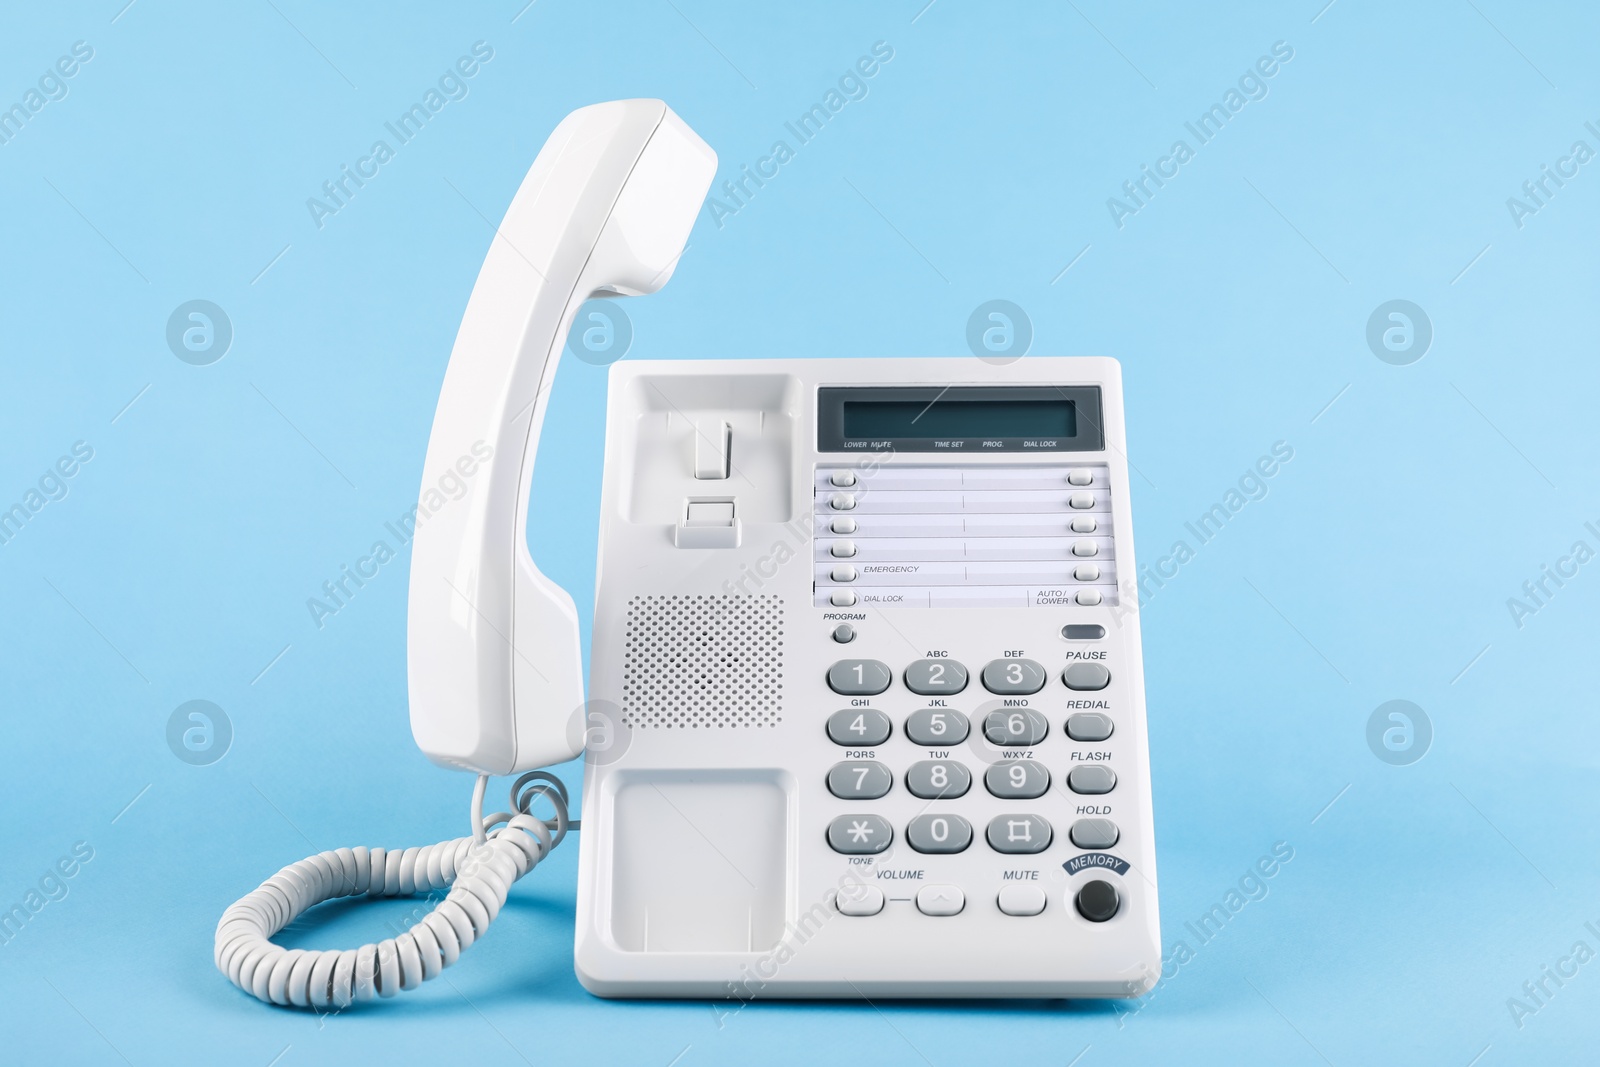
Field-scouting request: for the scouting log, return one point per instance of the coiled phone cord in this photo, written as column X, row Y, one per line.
column 479, row 870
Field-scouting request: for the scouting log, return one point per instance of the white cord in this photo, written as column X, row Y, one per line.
column 479, row 870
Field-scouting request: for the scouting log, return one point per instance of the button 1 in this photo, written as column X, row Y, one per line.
column 1087, row 597
column 937, row 726
column 1085, row 524
column 1098, row 901
column 1085, row 675
column 1018, row 726
column 1081, row 501
column 859, row 677
column 1013, row 676
column 845, row 479
column 938, row 780
column 941, row 900
column 932, row 677
column 1086, row 572
column 863, row 780
column 1085, row 548
column 843, row 526
column 860, row 835
column 859, row 899
column 858, row 726
column 1080, row 477
column 1017, row 779
column 1088, row 726
column 939, row 834
column 842, row 502
column 1094, row 833
column 842, row 549
column 1020, row 899
column 841, row 598
column 847, row 573
column 1092, row 779
column 844, row 633
column 1019, row 834
column 1079, row 631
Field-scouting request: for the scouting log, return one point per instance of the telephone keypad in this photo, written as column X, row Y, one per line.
column 1015, row 726
column 938, row 780
column 1013, row 677
column 936, row 677
column 937, row 726
column 859, row 780
column 860, row 835
column 1017, row 780
column 939, row 834
column 859, row 726
column 1019, row 834
column 859, row 677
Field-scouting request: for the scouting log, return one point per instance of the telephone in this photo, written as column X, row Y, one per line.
column 866, row 708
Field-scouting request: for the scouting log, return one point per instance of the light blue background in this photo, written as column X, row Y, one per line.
column 978, row 167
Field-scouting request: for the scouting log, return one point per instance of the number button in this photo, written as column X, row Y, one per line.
column 860, row 835
column 1017, row 779
column 1088, row 726
column 937, row 726
column 858, row 726
column 1019, row 834
column 938, row 780
column 939, row 834
column 865, row 780
column 1019, row 726
column 859, row 677
column 930, row 677
column 1092, row 779
column 1013, row 676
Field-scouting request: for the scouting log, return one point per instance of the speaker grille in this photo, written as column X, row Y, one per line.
column 703, row 661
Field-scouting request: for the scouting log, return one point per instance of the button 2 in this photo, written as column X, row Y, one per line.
column 931, row 677
column 860, row 835
column 858, row 726
column 1010, row 676
column 859, row 677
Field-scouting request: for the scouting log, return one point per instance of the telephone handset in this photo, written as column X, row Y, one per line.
column 494, row 665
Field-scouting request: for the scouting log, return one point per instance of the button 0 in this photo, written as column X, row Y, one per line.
column 932, row 677
column 1086, row 675
column 937, row 780
column 1087, row 597
column 1088, row 726
column 859, row 899
column 1085, row 548
column 1094, row 833
column 1021, row 899
column 842, row 549
column 1080, row 477
column 937, row 726
column 845, row 479
column 843, row 573
column 1020, row 779
column 860, row 835
column 941, row 900
column 1085, row 524
column 858, row 726
column 1019, row 834
column 863, row 780
column 939, row 835
column 1092, row 779
column 1019, row 726
column 843, row 526
column 859, row 677
column 1098, row 901
column 1086, row 572
column 1010, row 676
column 842, row 502
column 1081, row 501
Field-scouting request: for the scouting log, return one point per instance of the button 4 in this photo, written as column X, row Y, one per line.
column 858, row 726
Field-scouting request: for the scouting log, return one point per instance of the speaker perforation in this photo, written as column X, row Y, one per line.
column 693, row 662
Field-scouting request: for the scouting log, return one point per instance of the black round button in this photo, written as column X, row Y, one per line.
column 1098, row 901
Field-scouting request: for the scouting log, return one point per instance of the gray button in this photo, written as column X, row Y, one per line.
column 1088, row 726
column 937, row 780
column 1087, row 597
column 1085, row 524
column 939, row 833
column 1080, row 477
column 845, row 479
column 941, row 900
column 860, row 835
column 1086, row 572
column 1013, row 676
column 1094, row 833
column 1085, row 675
column 858, row 726
column 1080, row 631
column 859, row 780
column 1081, row 501
column 843, row 526
column 859, row 677
column 1092, row 779
column 932, row 677
column 846, row 573
column 1098, row 901
column 1017, row 779
column 842, row 502
column 842, row 549
column 1085, row 548
column 1019, row 834
column 1015, row 726
column 937, row 726
column 844, row 633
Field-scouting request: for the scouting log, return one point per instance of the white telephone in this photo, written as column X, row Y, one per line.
column 866, row 712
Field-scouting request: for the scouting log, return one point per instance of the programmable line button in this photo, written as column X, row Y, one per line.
column 941, row 900
column 1092, row 779
column 1086, row 675
column 859, row 677
column 859, row 899
column 1094, row 833
column 859, row 780
column 1019, row 834
column 938, row 780
column 858, row 726
column 1088, row 726
column 1016, row 726
column 939, row 834
column 860, row 835
column 933, row 677
column 1018, row 779
column 937, row 726
column 1013, row 676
